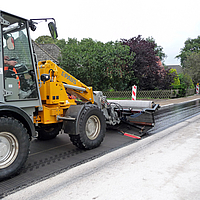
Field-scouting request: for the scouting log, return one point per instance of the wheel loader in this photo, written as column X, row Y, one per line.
column 37, row 99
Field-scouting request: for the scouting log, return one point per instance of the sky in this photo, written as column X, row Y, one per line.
column 169, row 22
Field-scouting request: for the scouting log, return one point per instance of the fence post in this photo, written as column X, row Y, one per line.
column 134, row 91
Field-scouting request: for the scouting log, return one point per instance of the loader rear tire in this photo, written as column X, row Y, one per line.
column 14, row 146
column 91, row 126
column 48, row 132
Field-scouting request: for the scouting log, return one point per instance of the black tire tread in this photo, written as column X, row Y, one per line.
column 17, row 128
column 45, row 135
column 81, row 140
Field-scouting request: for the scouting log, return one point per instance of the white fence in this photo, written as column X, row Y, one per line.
column 154, row 94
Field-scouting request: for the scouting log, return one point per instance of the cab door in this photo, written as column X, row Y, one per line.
column 20, row 80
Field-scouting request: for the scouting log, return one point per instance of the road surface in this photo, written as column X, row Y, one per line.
column 163, row 166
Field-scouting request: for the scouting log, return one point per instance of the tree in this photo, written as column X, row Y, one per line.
column 187, row 80
column 116, row 65
column 190, row 60
column 176, row 82
column 45, row 39
column 182, row 82
column 157, row 49
column 192, row 66
column 191, row 46
column 60, row 43
column 166, row 79
column 146, row 67
column 97, row 64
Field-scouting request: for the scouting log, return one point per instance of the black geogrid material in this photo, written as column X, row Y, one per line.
column 48, row 158
column 174, row 114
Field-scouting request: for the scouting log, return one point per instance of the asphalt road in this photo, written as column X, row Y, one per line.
column 163, row 166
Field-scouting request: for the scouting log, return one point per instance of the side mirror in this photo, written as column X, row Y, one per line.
column 53, row 30
column 10, row 43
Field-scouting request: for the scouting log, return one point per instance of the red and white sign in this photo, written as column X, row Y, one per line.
column 134, row 91
column 197, row 88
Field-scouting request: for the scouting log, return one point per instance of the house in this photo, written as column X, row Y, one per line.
column 47, row 52
column 178, row 68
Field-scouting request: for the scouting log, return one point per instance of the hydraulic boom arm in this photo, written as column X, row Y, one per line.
column 72, row 85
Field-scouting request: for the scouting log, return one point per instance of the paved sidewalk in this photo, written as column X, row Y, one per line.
column 164, row 102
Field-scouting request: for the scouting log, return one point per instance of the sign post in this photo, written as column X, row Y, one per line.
column 197, row 88
column 134, row 91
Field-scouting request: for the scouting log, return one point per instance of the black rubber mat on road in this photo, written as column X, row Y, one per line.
column 48, row 158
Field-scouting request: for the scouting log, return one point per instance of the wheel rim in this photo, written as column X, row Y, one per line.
column 93, row 126
column 9, row 149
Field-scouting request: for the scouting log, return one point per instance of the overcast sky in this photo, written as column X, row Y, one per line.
column 169, row 22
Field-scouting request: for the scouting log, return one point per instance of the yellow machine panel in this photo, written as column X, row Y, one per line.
column 48, row 115
column 56, row 90
column 58, row 75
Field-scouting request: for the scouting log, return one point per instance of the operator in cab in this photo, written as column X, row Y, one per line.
column 9, row 68
column 8, row 62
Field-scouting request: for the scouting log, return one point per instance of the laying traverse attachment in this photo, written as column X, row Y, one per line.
column 138, row 114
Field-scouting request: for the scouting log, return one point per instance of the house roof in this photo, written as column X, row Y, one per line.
column 178, row 68
column 47, row 52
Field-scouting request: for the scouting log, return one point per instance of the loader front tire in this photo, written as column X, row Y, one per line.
column 91, row 127
column 14, row 146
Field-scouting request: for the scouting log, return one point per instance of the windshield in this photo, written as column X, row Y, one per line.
column 18, row 66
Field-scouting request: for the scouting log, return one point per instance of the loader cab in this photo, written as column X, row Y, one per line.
column 18, row 79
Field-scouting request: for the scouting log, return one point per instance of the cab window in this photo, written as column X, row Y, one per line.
column 19, row 75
